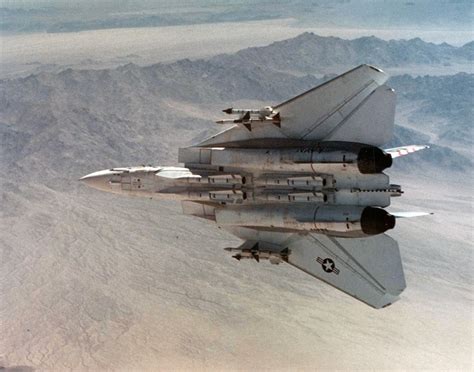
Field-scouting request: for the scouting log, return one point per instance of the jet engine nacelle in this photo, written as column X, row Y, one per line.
column 343, row 221
column 325, row 158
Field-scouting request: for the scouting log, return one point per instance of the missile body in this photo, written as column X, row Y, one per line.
column 275, row 257
column 264, row 111
column 247, row 117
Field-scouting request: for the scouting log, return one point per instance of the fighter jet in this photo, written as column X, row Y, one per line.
column 310, row 191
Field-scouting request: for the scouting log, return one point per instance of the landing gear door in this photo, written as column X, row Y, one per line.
column 116, row 182
column 126, row 184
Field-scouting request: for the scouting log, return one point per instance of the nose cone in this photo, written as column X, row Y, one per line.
column 98, row 180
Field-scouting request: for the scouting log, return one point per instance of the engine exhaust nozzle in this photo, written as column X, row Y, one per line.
column 373, row 160
column 376, row 221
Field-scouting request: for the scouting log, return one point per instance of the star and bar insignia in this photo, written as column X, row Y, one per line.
column 328, row 265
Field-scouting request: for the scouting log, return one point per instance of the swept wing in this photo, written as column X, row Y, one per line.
column 368, row 269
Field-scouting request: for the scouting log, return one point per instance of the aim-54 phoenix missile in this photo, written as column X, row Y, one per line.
column 301, row 182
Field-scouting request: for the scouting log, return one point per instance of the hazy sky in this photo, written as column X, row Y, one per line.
column 60, row 15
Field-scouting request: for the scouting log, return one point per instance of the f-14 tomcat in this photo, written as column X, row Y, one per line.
column 301, row 182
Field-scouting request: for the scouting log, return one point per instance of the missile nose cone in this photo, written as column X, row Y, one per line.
column 98, row 180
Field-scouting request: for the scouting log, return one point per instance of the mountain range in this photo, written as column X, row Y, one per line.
column 310, row 53
column 82, row 117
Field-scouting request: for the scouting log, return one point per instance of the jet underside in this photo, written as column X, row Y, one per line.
column 302, row 183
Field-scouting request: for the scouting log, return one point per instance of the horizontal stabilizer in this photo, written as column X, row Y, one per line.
column 369, row 269
column 410, row 214
column 405, row 150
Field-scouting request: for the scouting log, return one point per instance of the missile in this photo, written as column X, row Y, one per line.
column 265, row 114
column 243, row 119
column 232, row 111
column 247, row 120
column 254, row 253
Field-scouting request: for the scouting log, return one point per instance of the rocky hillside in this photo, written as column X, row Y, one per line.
column 127, row 115
column 448, row 98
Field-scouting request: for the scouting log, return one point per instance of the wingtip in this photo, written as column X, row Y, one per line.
column 375, row 68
